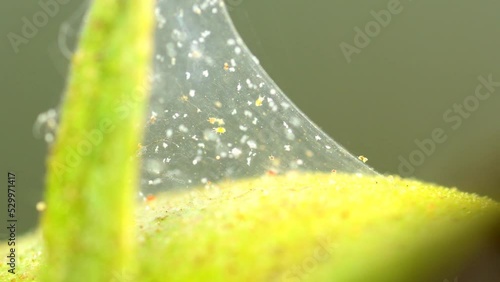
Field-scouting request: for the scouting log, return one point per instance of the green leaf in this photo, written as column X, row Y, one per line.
column 91, row 184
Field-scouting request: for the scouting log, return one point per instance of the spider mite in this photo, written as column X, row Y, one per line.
column 219, row 130
column 363, row 159
column 271, row 172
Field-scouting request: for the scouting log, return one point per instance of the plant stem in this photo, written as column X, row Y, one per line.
column 92, row 175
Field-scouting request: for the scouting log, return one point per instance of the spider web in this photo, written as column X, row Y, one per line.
column 215, row 114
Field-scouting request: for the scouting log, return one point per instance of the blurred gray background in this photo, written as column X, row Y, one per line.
column 392, row 94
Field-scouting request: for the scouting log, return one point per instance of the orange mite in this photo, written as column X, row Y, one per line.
column 213, row 120
column 226, row 66
column 150, row 198
column 272, row 172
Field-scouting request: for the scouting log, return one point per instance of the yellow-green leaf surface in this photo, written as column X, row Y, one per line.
column 304, row 227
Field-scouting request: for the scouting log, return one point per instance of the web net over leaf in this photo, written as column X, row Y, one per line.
column 216, row 115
